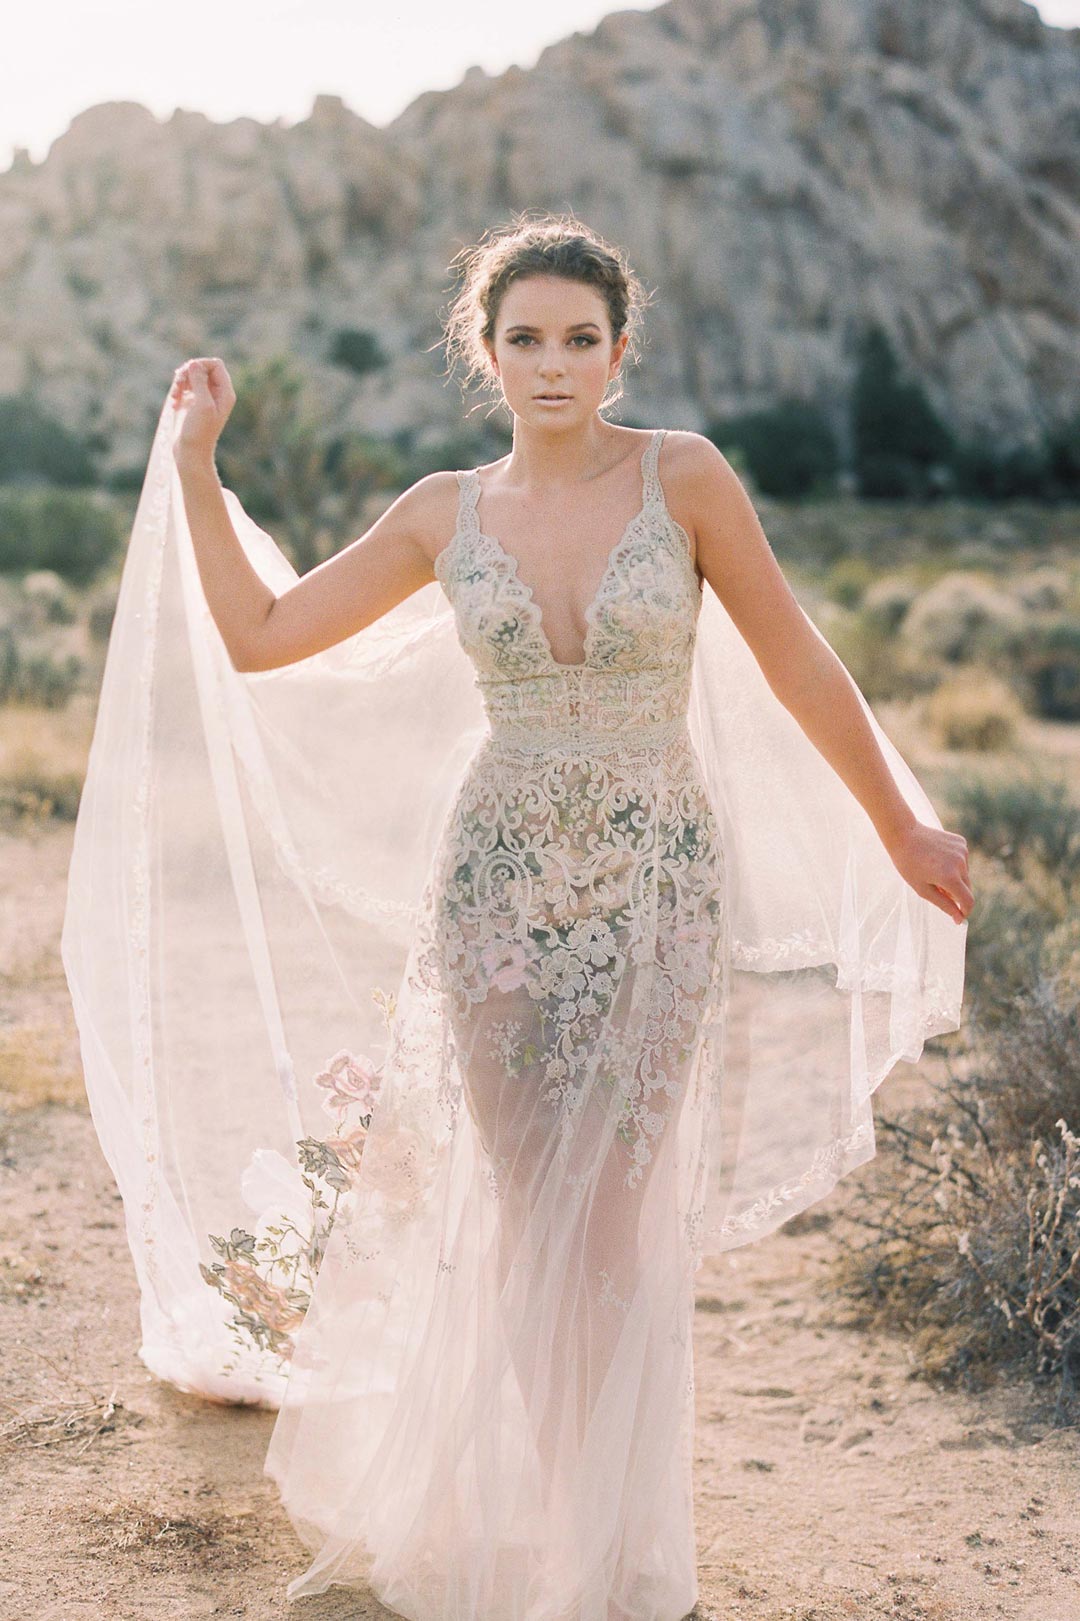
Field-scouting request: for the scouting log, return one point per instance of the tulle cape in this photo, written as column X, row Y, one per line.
column 248, row 861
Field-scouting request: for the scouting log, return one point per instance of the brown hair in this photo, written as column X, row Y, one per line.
column 536, row 244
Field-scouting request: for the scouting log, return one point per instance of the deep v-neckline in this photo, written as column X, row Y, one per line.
column 510, row 563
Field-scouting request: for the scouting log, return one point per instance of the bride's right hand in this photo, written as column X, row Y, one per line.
column 203, row 390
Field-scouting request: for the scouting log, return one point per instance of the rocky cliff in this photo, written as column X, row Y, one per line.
column 780, row 171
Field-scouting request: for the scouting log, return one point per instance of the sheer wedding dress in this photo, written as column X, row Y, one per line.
column 594, row 969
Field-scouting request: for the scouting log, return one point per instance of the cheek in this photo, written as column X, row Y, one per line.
column 598, row 360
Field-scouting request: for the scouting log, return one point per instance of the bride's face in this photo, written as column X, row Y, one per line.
column 553, row 338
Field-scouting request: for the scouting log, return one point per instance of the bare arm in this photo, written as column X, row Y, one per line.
column 734, row 556
column 327, row 604
column 339, row 597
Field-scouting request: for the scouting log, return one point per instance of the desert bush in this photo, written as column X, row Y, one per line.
column 1020, row 820
column 1023, row 835
column 879, row 663
column 1048, row 662
column 1042, row 590
column 68, row 531
column 38, row 677
column 886, row 601
column 1005, row 941
column 100, row 616
column 848, row 580
column 962, row 616
column 34, row 446
column 50, row 600
column 974, row 1217
column 973, row 709
column 1060, row 959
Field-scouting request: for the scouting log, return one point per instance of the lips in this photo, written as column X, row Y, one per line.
column 551, row 396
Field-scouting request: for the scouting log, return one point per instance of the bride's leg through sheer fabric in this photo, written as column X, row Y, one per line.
column 595, row 1300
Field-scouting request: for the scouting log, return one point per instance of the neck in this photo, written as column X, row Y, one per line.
column 546, row 457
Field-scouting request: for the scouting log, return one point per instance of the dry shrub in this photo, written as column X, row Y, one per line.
column 1029, row 825
column 961, row 616
column 43, row 755
column 882, row 666
column 1043, row 589
column 974, row 710
column 975, row 1218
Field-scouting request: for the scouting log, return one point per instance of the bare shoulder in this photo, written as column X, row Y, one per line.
column 427, row 511
column 691, row 465
column 698, row 480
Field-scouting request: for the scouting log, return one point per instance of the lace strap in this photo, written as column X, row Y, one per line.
column 468, row 521
column 652, row 491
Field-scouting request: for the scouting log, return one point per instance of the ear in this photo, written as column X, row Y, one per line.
column 491, row 356
column 618, row 350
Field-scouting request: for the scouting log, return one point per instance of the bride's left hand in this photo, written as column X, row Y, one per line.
column 935, row 863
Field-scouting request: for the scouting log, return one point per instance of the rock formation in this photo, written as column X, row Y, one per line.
column 782, row 172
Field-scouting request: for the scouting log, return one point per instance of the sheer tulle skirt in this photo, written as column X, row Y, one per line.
column 491, row 1407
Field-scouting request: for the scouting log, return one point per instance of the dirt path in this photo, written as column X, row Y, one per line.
column 830, row 1482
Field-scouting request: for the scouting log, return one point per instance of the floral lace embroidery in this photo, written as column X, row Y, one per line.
column 580, row 901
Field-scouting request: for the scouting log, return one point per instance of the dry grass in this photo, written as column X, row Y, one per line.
column 43, row 755
column 130, row 1526
column 35, row 1070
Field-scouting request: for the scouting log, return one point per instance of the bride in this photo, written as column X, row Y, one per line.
column 542, row 829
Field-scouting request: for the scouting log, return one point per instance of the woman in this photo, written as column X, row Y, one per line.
column 674, row 927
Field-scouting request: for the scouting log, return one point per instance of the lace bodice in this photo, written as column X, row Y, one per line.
column 634, row 679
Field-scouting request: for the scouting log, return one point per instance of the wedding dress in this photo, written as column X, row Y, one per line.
column 442, row 1007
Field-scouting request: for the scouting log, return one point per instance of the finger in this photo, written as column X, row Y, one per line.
column 944, row 900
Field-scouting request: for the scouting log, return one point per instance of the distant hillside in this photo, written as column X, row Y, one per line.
column 783, row 171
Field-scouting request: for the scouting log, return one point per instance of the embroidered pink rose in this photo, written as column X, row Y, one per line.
column 506, row 964
column 350, row 1082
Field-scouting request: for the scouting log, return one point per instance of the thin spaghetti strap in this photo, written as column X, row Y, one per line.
column 466, row 522
column 652, row 492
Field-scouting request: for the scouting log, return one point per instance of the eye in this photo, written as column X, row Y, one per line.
column 586, row 338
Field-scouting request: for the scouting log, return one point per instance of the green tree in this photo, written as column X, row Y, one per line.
column 788, row 449
column 36, row 448
column 901, row 447
column 357, row 350
column 309, row 492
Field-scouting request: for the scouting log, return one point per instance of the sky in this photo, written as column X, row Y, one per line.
column 268, row 59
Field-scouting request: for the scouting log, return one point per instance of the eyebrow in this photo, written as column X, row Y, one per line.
column 519, row 326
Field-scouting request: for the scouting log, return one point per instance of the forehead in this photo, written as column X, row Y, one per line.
column 550, row 301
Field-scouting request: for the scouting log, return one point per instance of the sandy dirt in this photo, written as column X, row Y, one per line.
column 831, row 1482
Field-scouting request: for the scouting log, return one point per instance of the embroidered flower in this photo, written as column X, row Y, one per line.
column 506, row 964
column 350, row 1081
